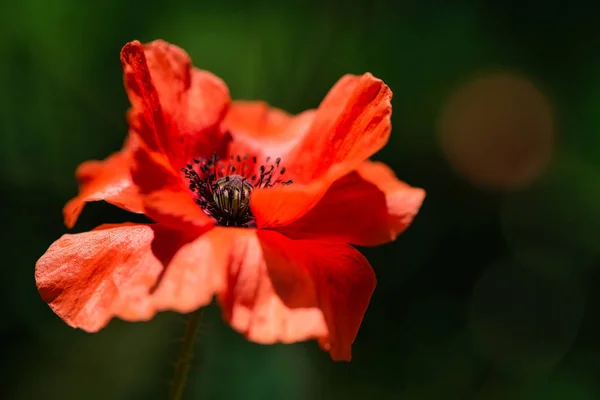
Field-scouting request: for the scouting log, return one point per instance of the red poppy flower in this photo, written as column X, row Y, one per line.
column 251, row 205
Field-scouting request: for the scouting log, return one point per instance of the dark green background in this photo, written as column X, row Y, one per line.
column 489, row 295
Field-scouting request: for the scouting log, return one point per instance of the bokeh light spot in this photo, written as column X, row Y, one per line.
column 497, row 131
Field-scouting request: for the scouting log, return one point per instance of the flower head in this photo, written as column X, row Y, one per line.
column 251, row 205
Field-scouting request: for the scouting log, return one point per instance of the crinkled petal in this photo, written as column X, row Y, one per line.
column 312, row 275
column 88, row 278
column 165, row 198
column 281, row 290
column 146, row 115
column 367, row 207
column 108, row 180
column 281, row 205
column 177, row 108
column 271, row 288
column 402, row 200
column 198, row 271
column 257, row 128
column 351, row 124
column 252, row 306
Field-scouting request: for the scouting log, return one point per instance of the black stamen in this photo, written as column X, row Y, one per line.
column 223, row 190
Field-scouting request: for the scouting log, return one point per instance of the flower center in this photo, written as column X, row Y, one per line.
column 232, row 195
column 223, row 189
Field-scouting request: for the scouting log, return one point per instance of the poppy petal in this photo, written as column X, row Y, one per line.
column 250, row 303
column 257, row 128
column 108, row 180
column 282, row 205
column 179, row 107
column 271, row 288
column 331, row 277
column 146, row 113
column 403, row 201
column 228, row 262
column 198, row 270
column 90, row 277
column 350, row 125
column 367, row 207
column 164, row 196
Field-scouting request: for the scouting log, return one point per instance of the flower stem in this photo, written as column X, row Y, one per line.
column 186, row 353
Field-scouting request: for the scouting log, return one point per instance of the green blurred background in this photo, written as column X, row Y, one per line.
column 491, row 294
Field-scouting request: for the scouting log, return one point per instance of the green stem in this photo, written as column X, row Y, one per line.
column 186, row 353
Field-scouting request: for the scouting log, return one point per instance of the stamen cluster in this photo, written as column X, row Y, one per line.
column 223, row 189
